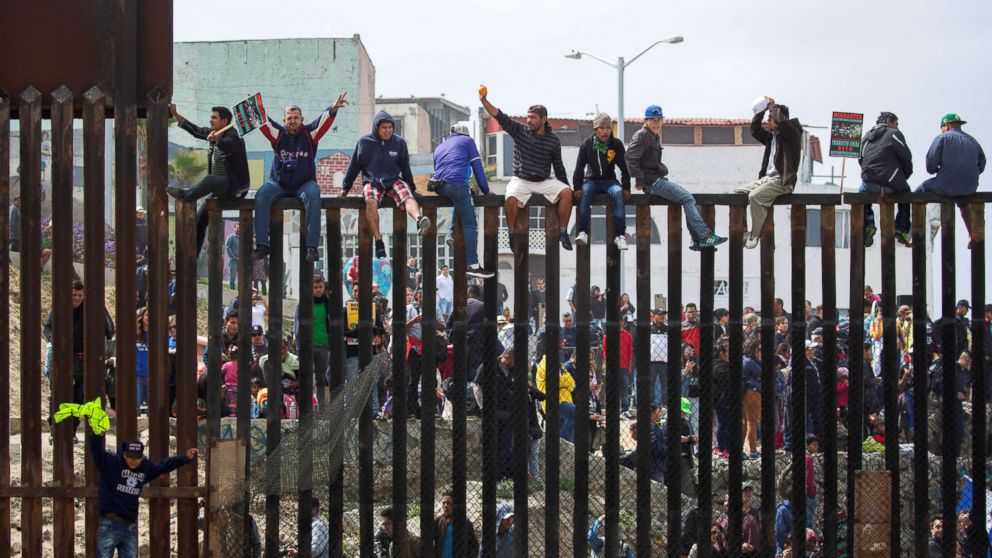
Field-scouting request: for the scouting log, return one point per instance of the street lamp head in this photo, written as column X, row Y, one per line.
column 574, row 55
column 673, row 40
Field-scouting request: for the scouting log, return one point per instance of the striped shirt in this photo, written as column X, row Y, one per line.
column 534, row 155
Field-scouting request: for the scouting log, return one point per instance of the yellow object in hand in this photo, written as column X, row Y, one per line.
column 483, row 91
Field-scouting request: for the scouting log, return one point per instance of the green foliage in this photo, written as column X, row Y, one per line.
column 185, row 167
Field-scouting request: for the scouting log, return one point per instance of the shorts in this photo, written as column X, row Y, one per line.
column 523, row 189
column 400, row 192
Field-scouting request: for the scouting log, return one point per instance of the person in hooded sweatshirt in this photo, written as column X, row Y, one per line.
column 886, row 162
column 122, row 476
column 384, row 161
column 595, row 173
column 504, row 530
column 782, row 138
column 293, row 173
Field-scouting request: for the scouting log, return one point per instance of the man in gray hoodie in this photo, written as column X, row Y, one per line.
column 504, row 530
column 384, row 161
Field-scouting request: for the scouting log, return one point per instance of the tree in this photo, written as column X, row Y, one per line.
column 185, row 167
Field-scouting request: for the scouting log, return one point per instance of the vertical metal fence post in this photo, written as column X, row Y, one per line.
column 674, row 387
column 305, row 395
column 768, row 394
column 552, row 340
column 490, row 233
column 521, row 376
column 949, row 442
column 215, row 347
column 459, row 331
column 273, row 381
column 829, row 266
column 186, row 349
column 30, row 173
column 62, row 353
column 338, row 323
column 366, row 490
column 399, row 382
column 856, row 372
column 5, row 539
column 738, row 230
column 798, row 383
column 580, row 519
column 611, row 449
column 921, row 380
column 93, row 275
column 979, row 339
column 704, row 496
column 244, row 419
column 644, row 380
column 428, row 377
column 891, row 368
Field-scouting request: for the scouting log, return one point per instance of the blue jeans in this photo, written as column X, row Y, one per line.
column 121, row 537
column 566, row 421
column 461, row 199
column 624, row 389
column 671, row 191
column 659, row 379
column 810, row 511
column 142, row 383
column 902, row 213
column 610, row 187
column 308, row 193
column 443, row 307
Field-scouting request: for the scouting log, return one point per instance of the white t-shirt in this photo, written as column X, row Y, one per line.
column 445, row 287
column 771, row 171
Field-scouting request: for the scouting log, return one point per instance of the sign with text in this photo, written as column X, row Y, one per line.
column 249, row 114
column 845, row 134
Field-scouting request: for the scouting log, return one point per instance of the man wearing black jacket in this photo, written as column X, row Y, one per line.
column 886, row 162
column 779, row 166
column 227, row 166
column 595, row 173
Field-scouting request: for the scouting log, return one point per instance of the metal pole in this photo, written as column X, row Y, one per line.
column 620, row 129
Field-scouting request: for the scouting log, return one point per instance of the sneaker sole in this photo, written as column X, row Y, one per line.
column 480, row 275
column 424, row 225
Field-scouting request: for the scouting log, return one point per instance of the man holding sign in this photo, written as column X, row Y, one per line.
column 227, row 165
column 294, row 172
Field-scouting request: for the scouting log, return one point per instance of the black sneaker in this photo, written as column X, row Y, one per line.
column 566, row 243
column 870, row 231
column 904, row 238
column 423, row 225
column 312, row 254
column 261, row 252
column 380, row 249
column 176, row 192
column 479, row 271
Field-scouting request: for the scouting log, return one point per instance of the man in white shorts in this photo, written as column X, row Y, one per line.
column 536, row 152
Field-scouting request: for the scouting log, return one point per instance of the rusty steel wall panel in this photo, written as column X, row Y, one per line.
column 5, row 320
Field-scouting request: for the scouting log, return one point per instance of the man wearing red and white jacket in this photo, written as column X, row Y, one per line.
column 626, row 358
column 293, row 173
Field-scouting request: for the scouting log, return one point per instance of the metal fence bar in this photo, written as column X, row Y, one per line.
column 273, row 382
column 921, row 381
column 30, row 173
column 580, row 519
column 459, row 333
column 737, row 230
column 552, row 340
column 855, row 342
column 366, row 490
column 5, row 540
column 399, row 383
column 62, row 353
column 489, row 428
column 215, row 348
column 768, row 395
column 428, row 377
column 675, row 464
column 891, row 369
column 979, row 336
column 611, row 448
column 159, row 365
column 186, row 423
column 948, row 372
column 336, row 340
column 245, row 357
column 521, row 369
column 704, row 495
column 645, row 386
column 93, row 272
column 305, row 397
column 799, row 373
column 828, row 252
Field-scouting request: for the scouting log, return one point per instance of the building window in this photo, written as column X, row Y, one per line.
column 349, row 245
column 842, row 228
column 416, row 250
column 718, row 135
column 678, row 135
column 747, row 138
column 537, row 218
column 491, row 148
column 398, row 126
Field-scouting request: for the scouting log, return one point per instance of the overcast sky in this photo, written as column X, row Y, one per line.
column 917, row 58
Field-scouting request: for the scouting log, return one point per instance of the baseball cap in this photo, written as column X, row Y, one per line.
column 134, row 449
column 257, row 330
column 318, row 276
column 952, row 117
column 460, row 129
column 964, row 303
column 653, row 111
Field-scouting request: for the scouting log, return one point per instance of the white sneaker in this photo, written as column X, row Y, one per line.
column 581, row 238
column 621, row 242
column 752, row 242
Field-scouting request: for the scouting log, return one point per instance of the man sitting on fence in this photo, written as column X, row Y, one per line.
column 886, row 162
column 536, row 151
column 384, row 161
column 227, row 166
column 294, row 173
column 595, row 173
column 779, row 166
column 122, row 476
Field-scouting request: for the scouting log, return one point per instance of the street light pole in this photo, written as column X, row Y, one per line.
column 620, row 68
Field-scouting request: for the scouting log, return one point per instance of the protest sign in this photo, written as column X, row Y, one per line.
column 249, row 114
column 845, row 134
